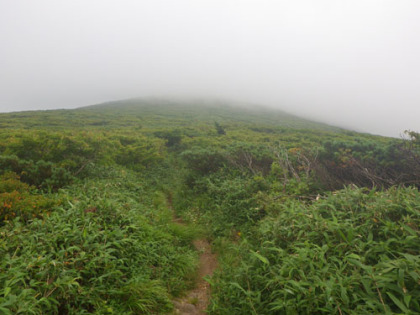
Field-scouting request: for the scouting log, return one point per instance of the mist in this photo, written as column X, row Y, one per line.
column 353, row 64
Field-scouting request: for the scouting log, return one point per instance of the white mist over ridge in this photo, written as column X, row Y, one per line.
column 352, row 64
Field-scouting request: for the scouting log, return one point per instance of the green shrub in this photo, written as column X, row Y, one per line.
column 355, row 251
column 17, row 201
column 173, row 138
column 203, row 161
column 44, row 175
column 99, row 252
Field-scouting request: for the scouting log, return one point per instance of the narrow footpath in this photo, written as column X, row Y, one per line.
column 195, row 301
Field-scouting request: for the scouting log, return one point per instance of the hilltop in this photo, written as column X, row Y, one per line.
column 145, row 206
column 155, row 113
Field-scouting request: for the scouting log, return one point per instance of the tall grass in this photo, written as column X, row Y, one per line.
column 352, row 252
column 110, row 248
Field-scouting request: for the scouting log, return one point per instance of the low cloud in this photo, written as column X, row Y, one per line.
column 351, row 64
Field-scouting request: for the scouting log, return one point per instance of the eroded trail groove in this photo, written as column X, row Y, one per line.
column 197, row 299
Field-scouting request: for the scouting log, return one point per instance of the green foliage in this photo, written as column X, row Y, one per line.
column 137, row 152
column 51, row 160
column 17, row 201
column 250, row 157
column 142, row 114
column 172, row 138
column 99, row 252
column 414, row 138
column 267, row 191
column 219, row 129
column 354, row 251
column 231, row 204
column 42, row 174
column 370, row 163
column 203, row 161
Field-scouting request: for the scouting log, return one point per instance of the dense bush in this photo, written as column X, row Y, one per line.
column 42, row 174
column 137, row 152
column 354, row 251
column 250, row 158
column 173, row 138
column 370, row 163
column 232, row 203
column 53, row 160
column 203, row 161
column 17, row 201
column 287, row 245
column 99, row 252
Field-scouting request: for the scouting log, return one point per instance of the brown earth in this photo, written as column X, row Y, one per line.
column 195, row 301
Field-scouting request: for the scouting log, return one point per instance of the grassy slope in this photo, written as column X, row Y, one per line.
column 228, row 199
column 194, row 119
column 151, row 113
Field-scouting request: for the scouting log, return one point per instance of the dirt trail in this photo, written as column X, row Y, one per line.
column 195, row 302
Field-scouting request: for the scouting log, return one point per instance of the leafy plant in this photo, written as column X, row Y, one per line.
column 352, row 251
column 17, row 201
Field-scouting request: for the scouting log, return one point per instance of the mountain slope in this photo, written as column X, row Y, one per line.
column 88, row 199
column 155, row 113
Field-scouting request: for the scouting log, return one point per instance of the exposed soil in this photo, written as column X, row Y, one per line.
column 195, row 302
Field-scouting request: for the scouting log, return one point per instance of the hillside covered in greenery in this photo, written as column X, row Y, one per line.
column 305, row 218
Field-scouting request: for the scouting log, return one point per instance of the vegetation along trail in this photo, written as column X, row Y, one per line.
column 197, row 300
column 110, row 209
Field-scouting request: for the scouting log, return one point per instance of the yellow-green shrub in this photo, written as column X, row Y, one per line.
column 16, row 200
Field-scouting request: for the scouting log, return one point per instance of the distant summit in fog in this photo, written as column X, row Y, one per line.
column 149, row 112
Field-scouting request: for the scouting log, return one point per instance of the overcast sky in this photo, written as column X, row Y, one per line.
column 350, row 63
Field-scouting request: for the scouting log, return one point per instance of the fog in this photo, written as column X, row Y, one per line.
column 349, row 63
